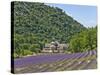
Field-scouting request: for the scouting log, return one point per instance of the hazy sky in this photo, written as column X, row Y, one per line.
column 86, row 15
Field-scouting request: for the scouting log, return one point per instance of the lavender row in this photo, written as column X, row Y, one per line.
column 47, row 58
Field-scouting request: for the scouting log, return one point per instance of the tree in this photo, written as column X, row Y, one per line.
column 84, row 41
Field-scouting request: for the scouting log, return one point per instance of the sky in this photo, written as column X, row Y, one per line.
column 86, row 15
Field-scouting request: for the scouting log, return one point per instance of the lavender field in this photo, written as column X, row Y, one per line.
column 56, row 62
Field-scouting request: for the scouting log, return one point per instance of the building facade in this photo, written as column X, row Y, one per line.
column 55, row 47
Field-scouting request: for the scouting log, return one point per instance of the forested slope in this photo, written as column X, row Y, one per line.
column 36, row 24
